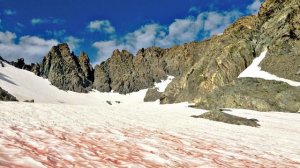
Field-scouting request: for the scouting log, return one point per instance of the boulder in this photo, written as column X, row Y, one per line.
column 219, row 116
column 152, row 95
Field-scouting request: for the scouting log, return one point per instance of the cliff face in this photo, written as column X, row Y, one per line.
column 280, row 31
column 219, row 61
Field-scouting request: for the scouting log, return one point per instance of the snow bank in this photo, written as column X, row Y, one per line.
column 163, row 84
column 254, row 71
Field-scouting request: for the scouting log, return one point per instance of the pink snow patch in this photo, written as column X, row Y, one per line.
column 128, row 147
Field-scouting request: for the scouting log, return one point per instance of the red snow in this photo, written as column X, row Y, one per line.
column 135, row 147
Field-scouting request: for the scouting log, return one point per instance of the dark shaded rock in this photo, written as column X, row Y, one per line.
column 255, row 94
column 125, row 73
column 5, row 96
column 65, row 70
column 86, row 67
column 228, row 118
column 29, row 101
column 36, row 69
column 120, row 70
column 118, row 102
column 20, row 63
column 109, row 102
column 102, row 81
column 1, row 64
column 152, row 95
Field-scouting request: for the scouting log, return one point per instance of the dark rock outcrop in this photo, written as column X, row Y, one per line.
column 228, row 118
column 20, row 63
column 1, row 63
column 86, row 67
column 255, row 94
column 5, row 96
column 65, row 70
column 125, row 73
column 152, row 95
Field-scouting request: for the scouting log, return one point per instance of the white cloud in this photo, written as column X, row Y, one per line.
column 31, row 48
column 7, row 37
column 101, row 26
column 73, row 42
column 38, row 21
column 105, row 48
column 9, row 12
column 215, row 23
column 178, row 32
column 254, row 7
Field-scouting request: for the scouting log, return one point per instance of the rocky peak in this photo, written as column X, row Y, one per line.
column 84, row 58
column 66, row 71
column 61, row 50
column 86, row 67
column 123, row 55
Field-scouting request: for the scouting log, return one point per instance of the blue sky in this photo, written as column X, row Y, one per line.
column 29, row 28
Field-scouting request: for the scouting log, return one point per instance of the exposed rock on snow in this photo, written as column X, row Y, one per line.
column 5, row 96
column 155, row 93
column 152, row 95
column 219, row 116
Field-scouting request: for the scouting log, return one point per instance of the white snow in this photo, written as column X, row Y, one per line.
column 163, row 85
column 67, row 129
column 254, row 71
column 152, row 135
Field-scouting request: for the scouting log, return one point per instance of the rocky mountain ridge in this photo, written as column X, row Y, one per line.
column 201, row 69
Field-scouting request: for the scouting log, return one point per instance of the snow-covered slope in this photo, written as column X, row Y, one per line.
column 24, row 85
column 254, row 71
column 142, row 135
column 67, row 129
